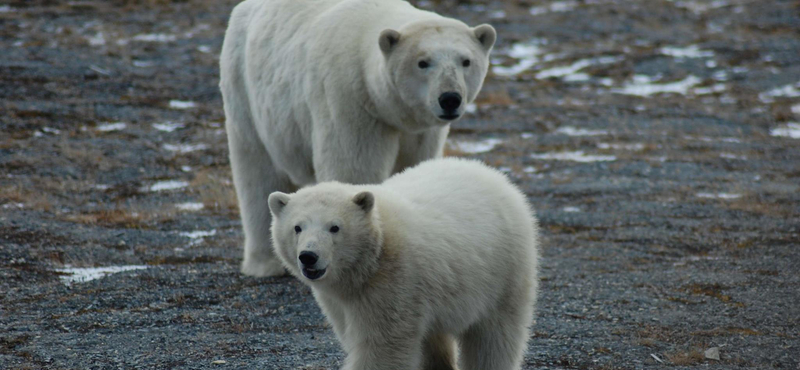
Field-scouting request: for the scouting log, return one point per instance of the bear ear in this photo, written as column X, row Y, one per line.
column 277, row 202
column 364, row 200
column 388, row 40
column 486, row 36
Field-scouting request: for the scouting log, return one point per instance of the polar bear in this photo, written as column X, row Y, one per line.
column 345, row 90
column 443, row 253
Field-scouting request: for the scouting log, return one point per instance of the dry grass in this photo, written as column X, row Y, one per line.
column 686, row 358
column 498, row 96
column 121, row 217
column 216, row 190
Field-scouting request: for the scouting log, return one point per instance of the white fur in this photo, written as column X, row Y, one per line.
column 447, row 250
column 320, row 90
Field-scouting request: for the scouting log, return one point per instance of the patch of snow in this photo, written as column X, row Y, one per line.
column 111, row 126
column 143, row 63
column 84, row 274
column 526, row 53
column 575, row 67
column 720, row 75
column 577, row 156
column 185, row 148
column 204, row 49
column 190, row 206
column 711, row 63
column 497, row 14
column 101, row 186
column 37, row 133
column 475, row 147
column 526, row 135
column 554, row 7
column 796, row 109
column 97, row 40
column 471, row 108
column 644, row 86
column 181, row 104
column 154, row 37
column 166, row 185
column 700, row 7
column 788, row 91
column 571, row 209
column 572, row 131
column 732, row 156
column 49, row 130
column 719, row 195
column 529, row 169
column 716, row 88
column 197, row 234
column 692, row 51
column 6, row 9
column 186, row 169
column 790, row 130
column 168, row 126
column 14, row 205
column 619, row 146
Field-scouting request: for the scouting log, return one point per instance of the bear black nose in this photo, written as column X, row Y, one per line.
column 450, row 101
column 308, row 258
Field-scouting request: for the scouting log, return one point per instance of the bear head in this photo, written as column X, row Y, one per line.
column 437, row 66
column 326, row 234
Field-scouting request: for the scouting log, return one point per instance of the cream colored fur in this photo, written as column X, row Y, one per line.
column 444, row 253
column 321, row 90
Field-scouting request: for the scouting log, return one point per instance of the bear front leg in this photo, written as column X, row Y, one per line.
column 416, row 148
column 355, row 153
column 254, row 178
column 404, row 354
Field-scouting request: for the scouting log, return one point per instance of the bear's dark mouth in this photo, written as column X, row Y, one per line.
column 313, row 274
column 449, row 117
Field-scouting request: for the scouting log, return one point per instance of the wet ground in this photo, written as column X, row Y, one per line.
column 658, row 140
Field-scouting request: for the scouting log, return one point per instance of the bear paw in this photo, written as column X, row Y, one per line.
column 266, row 268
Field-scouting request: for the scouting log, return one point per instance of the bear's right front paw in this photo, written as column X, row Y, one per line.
column 269, row 268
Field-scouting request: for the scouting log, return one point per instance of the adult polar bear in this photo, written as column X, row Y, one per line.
column 345, row 90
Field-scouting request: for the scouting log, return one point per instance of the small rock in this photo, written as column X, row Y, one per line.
column 712, row 353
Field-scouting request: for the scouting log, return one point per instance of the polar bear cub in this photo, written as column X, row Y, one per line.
column 338, row 90
column 441, row 254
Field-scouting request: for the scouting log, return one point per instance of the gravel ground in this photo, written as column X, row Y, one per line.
column 658, row 140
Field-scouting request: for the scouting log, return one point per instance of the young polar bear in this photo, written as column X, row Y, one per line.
column 445, row 250
column 338, row 90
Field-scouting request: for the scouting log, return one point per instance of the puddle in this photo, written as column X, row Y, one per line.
column 181, row 104
column 168, row 126
column 788, row 91
column 185, row 148
column 84, row 274
column 154, row 37
column 692, row 51
column 166, row 185
column 475, row 147
column 642, row 85
column 572, row 131
column 190, row 206
column 111, row 126
column 576, row 156
column 719, row 195
column 618, row 146
column 569, row 73
column 790, row 130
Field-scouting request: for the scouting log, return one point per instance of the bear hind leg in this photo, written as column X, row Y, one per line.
column 496, row 343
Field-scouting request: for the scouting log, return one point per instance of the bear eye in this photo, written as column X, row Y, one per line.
column 334, row 229
column 297, row 229
column 465, row 63
column 423, row 64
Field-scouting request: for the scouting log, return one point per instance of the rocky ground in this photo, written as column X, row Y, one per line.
column 658, row 140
